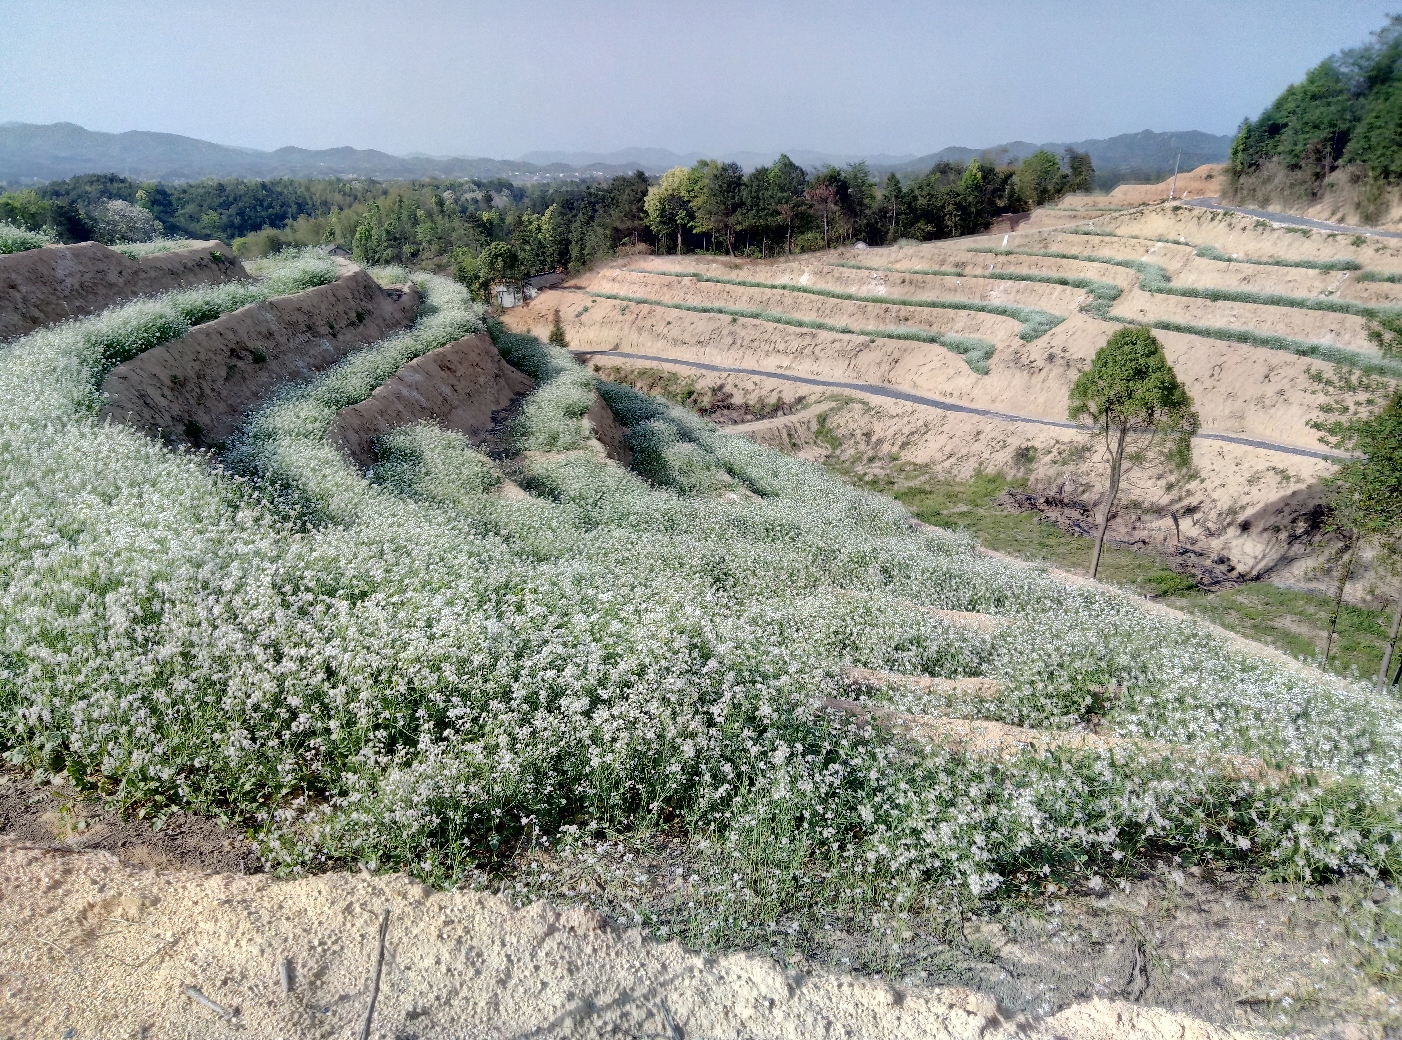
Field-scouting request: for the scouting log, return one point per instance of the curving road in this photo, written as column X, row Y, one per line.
column 1291, row 219
column 897, row 394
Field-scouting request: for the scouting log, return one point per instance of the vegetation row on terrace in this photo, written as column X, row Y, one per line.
column 409, row 669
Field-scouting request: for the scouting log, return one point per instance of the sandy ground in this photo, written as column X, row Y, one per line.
column 94, row 947
column 460, row 387
column 1205, row 180
column 196, row 389
column 41, row 286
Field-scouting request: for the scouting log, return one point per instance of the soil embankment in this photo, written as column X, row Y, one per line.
column 41, row 286
column 460, row 387
column 213, row 951
column 195, row 389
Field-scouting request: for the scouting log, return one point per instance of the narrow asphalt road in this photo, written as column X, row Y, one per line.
column 897, row 394
column 1291, row 219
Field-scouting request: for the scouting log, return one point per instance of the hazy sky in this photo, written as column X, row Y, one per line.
column 502, row 78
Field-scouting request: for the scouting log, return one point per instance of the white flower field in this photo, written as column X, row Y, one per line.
column 409, row 669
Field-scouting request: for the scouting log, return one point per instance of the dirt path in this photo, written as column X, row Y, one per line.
column 897, row 394
column 1292, row 220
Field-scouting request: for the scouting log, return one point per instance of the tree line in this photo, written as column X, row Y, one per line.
column 490, row 231
column 1347, row 110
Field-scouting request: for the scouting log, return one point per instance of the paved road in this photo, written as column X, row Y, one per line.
column 1290, row 218
column 897, row 394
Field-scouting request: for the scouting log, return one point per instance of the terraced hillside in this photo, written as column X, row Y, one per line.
column 447, row 603
column 1268, row 327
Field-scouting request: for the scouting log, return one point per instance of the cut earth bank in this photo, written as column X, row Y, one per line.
column 98, row 945
column 41, row 286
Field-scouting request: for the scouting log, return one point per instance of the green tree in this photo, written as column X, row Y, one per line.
column 892, row 206
column 717, row 195
column 666, row 206
column 788, row 181
column 822, row 196
column 1366, row 496
column 1131, row 390
column 557, row 332
column 467, row 271
column 499, row 264
column 1040, row 178
column 1080, row 173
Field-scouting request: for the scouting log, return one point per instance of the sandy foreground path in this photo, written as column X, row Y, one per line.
column 93, row 947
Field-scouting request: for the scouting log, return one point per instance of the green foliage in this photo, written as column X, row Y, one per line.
column 557, row 332
column 1080, row 173
column 17, row 239
column 1344, row 264
column 1131, row 386
column 1348, row 109
column 1385, row 332
column 1040, row 178
column 1380, row 276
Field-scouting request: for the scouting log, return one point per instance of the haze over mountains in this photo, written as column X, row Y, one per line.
column 31, row 152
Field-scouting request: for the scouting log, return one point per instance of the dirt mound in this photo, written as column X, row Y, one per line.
column 1206, row 180
column 609, row 432
column 96, row 948
column 195, row 389
column 460, row 387
column 41, row 286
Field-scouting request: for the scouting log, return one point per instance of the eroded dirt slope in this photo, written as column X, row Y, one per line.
column 195, row 389
column 460, row 387
column 41, row 286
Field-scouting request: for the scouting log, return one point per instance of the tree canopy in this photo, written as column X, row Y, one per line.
column 1130, row 389
column 1347, row 109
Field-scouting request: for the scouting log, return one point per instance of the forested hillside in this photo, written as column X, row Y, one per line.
column 1338, row 131
column 491, row 231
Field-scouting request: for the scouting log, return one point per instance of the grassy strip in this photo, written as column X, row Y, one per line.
column 136, row 250
column 1154, row 279
column 1213, row 253
column 1208, row 252
column 1380, row 276
column 974, row 351
column 1035, row 322
column 19, row 240
column 1109, row 292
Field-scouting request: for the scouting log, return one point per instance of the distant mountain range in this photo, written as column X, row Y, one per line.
column 31, row 152
column 1145, row 151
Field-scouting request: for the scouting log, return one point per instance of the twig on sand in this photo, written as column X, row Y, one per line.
column 673, row 1033
column 375, row 978
column 285, row 974
column 50, row 942
column 193, row 992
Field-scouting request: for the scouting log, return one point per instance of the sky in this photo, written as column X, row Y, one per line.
column 501, row 79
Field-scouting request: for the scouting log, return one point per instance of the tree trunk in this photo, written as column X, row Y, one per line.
column 1116, row 462
column 788, row 238
column 1339, row 593
column 1391, row 645
column 679, row 241
column 826, row 244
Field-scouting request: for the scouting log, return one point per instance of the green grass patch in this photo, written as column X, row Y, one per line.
column 1213, row 253
column 975, row 352
column 1289, row 620
column 1380, row 276
column 1107, row 292
column 1035, row 322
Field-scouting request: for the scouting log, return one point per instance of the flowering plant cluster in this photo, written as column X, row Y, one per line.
column 408, row 668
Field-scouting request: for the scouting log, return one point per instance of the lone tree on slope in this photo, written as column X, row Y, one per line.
column 1366, row 494
column 1130, row 390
